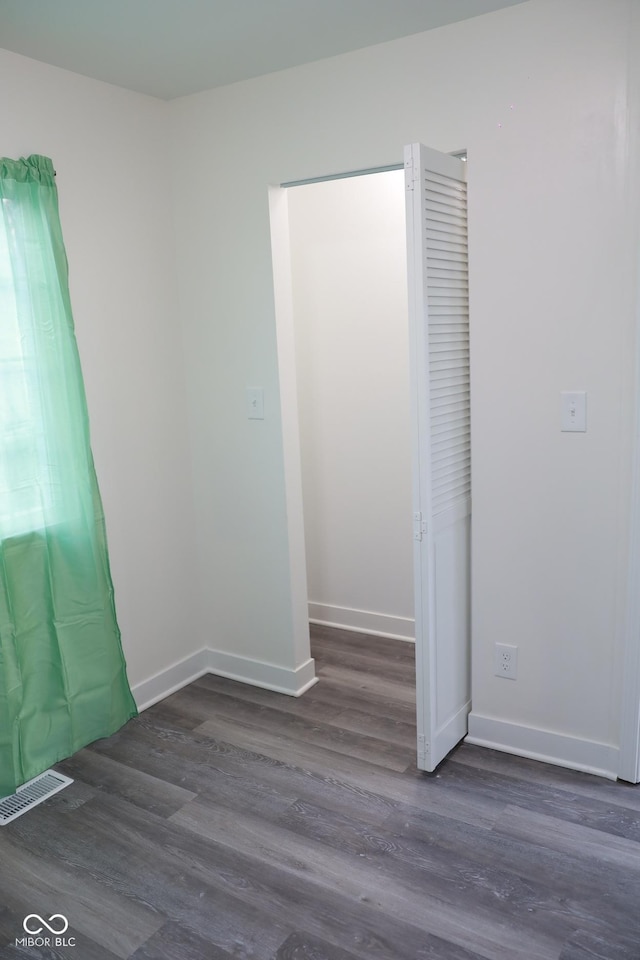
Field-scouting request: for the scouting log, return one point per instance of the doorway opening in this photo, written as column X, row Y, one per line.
column 347, row 276
column 349, row 361
column 349, row 293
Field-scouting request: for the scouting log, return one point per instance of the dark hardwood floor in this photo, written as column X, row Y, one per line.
column 232, row 822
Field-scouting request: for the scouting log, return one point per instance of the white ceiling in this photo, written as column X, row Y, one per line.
column 169, row 48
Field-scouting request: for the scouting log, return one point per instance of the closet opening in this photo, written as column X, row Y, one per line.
column 372, row 317
column 347, row 260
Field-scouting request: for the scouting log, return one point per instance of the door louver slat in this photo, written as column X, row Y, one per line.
column 458, row 340
column 448, row 351
column 452, row 437
column 442, row 369
column 436, row 202
column 447, row 393
column 452, row 186
column 448, row 312
column 456, row 291
column 451, row 244
column 446, row 381
column 448, row 325
column 448, row 457
column 453, row 258
column 438, row 231
column 446, row 272
column 445, row 221
column 447, row 295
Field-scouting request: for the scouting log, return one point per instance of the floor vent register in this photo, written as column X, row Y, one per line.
column 30, row 794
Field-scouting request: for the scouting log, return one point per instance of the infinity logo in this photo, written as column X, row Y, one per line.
column 38, row 919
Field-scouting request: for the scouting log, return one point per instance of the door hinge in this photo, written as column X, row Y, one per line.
column 410, row 174
column 419, row 526
column 424, row 749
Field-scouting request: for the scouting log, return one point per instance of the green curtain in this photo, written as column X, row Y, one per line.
column 63, row 680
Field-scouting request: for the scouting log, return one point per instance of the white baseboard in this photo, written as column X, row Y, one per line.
column 173, row 678
column 575, row 753
column 280, row 679
column 589, row 756
column 362, row 621
column 267, row 675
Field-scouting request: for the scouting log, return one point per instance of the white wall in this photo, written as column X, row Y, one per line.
column 109, row 149
column 538, row 95
column 349, row 271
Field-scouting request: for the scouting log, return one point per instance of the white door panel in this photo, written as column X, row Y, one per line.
column 441, row 423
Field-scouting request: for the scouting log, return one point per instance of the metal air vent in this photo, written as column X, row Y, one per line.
column 31, row 794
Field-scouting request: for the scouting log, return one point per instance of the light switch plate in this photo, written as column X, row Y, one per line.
column 255, row 403
column 574, row 411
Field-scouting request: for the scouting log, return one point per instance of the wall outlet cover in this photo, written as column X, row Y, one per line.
column 505, row 661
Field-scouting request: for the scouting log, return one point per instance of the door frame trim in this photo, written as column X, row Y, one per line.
column 629, row 754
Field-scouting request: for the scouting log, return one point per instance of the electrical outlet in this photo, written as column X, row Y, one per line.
column 505, row 661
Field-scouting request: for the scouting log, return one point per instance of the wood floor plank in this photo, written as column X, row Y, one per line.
column 398, row 732
column 149, row 793
column 193, row 705
column 574, row 839
column 463, row 873
column 233, row 775
column 303, row 946
column 72, row 797
column 10, row 924
column 563, row 804
column 372, row 684
column 369, row 777
column 327, row 638
column 549, row 777
column 367, row 878
column 596, row 900
column 367, row 663
column 322, row 702
column 317, row 733
column 174, row 942
column 149, row 862
column 526, row 902
column 612, row 946
column 26, row 884
column 237, row 889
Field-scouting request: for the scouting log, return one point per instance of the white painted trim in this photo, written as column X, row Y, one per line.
column 629, row 767
column 362, row 621
column 288, row 388
column 173, row 678
column 267, row 675
column 453, row 731
column 589, row 756
column 279, row 679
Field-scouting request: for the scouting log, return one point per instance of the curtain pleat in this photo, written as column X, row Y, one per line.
column 63, row 680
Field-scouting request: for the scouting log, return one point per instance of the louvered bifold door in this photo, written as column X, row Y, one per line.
column 439, row 328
